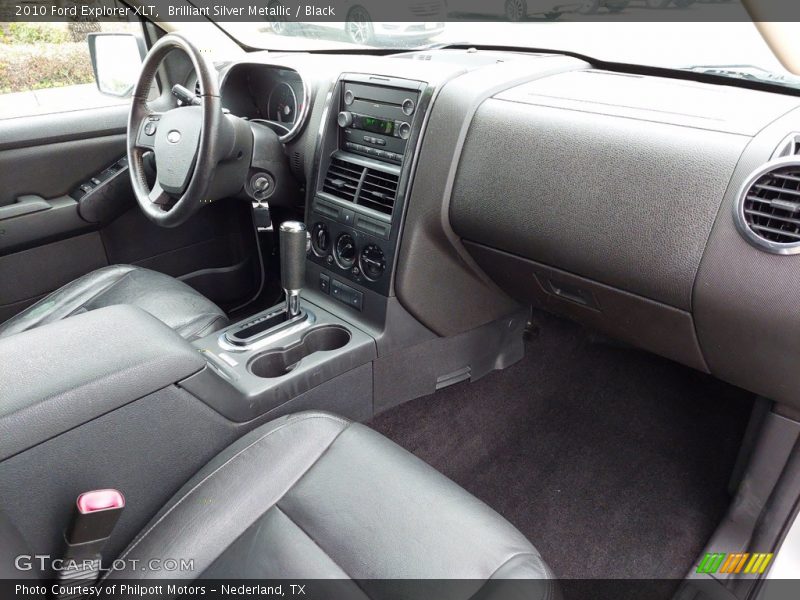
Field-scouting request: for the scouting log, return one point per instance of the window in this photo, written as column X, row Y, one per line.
column 46, row 67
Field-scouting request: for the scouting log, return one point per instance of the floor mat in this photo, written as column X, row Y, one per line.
column 613, row 462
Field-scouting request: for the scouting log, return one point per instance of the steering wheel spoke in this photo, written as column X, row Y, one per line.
column 146, row 136
column 158, row 196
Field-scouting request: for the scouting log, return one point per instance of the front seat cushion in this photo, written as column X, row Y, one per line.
column 169, row 300
column 314, row 496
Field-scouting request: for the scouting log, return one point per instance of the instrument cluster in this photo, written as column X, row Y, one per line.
column 276, row 96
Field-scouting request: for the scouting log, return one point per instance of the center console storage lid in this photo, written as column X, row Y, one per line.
column 61, row 375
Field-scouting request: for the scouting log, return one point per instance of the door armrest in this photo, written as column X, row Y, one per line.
column 24, row 205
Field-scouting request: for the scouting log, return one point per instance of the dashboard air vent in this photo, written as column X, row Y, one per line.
column 378, row 191
column 342, row 179
column 790, row 146
column 366, row 186
column 768, row 211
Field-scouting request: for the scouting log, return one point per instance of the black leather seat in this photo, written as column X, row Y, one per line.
column 314, row 496
column 169, row 300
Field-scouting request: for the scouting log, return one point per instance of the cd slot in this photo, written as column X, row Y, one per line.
column 382, row 111
column 376, row 94
column 370, row 101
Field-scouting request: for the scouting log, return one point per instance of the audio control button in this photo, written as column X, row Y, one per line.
column 403, row 130
column 345, row 119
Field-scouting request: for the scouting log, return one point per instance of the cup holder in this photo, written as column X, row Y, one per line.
column 276, row 363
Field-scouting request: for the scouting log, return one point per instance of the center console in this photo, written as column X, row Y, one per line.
column 366, row 152
column 273, row 358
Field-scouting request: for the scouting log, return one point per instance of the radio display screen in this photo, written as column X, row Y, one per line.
column 377, row 125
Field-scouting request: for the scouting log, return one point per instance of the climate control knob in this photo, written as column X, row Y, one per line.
column 372, row 262
column 320, row 239
column 345, row 118
column 345, row 251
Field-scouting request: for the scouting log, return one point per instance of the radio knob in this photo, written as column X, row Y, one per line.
column 345, row 118
column 404, row 130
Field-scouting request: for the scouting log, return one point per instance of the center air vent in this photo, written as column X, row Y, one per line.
column 378, row 191
column 342, row 179
column 768, row 211
column 366, row 186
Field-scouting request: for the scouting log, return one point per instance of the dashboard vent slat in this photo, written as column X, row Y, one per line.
column 756, row 213
column 778, row 232
column 768, row 212
column 342, row 180
column 378, row 191
column 365, row 186
column 779, row 189
column 776, row 203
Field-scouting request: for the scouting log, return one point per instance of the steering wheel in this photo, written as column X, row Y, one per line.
column 188, row 142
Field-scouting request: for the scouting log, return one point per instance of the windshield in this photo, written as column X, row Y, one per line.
column 730, row 46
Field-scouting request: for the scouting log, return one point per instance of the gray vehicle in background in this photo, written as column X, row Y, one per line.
column 520, row 10
column 425, row 20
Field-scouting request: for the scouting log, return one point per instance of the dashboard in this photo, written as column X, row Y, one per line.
column 455, row 185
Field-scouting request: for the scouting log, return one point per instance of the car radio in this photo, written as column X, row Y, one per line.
column 375, row 121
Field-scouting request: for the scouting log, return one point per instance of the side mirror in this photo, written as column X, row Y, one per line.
column 116, row 62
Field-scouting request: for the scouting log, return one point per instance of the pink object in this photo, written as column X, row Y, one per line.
column 97, row 500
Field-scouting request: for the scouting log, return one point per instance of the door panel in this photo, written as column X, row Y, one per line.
column 52, row 170
column 40, row 130
column 40, row 251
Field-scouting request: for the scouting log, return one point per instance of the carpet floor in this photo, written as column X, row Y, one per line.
column 613, row 462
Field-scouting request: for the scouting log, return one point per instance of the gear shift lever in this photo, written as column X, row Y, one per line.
column 293, row 264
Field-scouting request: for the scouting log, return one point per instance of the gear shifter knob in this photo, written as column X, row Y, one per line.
column 293, row 263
